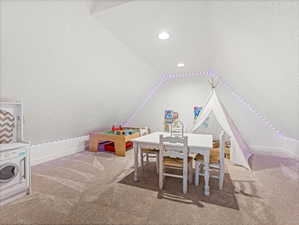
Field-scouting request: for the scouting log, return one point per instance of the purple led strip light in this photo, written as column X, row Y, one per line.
column 251, row 108
column 153, row 90
column 164, row 78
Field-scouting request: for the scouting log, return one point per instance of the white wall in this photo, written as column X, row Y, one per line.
column 72, row 75
column 256, row 48
column 65, row 62
column 252, row 44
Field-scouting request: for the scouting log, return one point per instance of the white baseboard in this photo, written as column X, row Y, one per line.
column 48, row 151
column 292, row 146
column 52, row 150
column 275, row 151
column 266, row 149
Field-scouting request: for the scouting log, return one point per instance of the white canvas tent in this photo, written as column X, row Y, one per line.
column 239, row 149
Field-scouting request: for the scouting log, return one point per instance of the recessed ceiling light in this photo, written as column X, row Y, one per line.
column 180, row 64
column 164, row 35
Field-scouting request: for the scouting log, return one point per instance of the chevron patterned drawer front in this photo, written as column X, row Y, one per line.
column 7, row 125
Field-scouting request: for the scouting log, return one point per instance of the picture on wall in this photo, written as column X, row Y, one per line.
column 169, row 117
column 196, row 111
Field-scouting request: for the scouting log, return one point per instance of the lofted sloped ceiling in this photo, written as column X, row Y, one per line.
column 86, row 77
column 138, row 23
column 97, row 6
column 252, row 44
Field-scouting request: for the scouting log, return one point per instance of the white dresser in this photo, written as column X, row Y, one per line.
column 15, row 172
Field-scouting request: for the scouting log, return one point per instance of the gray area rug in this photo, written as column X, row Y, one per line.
column 98, row 188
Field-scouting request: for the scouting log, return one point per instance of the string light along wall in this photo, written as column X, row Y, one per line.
column 163, row 79
column 208, row 74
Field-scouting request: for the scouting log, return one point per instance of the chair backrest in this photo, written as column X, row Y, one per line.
column 177, row 129
column 144, row 131
column 174, row 146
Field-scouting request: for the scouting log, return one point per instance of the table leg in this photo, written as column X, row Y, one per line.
column 207, row 173
column 185, row 174
column 161, row 172
column 120, row 148
column 93, row 144
column 136, row 148
column 141, row 158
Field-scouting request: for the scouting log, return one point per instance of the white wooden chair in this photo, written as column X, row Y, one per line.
column 216, row 162
column 177, row 129
column 174, row 154
column 148, row 153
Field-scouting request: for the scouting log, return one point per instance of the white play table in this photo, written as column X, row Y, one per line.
column 197, row 143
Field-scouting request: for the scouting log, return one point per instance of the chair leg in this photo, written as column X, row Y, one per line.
column 190, row 173
column 157, row 162
column 197, row 167
column 207, row 176
column 141, row 158
column 161, row 172
column 185, row 179
column 147, row 157
column 221, row 178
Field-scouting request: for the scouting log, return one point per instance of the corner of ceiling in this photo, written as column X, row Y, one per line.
column 96, row 6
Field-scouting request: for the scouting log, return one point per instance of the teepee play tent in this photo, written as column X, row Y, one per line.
column 240, row 152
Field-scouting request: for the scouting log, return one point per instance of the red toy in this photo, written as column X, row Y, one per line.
column 115, row 128
column 110, row 147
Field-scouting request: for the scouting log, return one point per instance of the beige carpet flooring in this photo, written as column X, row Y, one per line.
column 98, row 188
